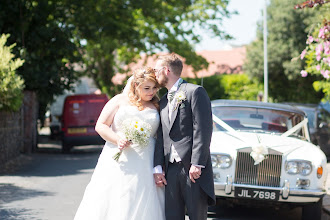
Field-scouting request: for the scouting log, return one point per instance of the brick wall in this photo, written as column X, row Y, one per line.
column 30, row 109
column 18, row 130
column 11, row 135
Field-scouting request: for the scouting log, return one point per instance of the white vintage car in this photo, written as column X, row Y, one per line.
column 262, row 151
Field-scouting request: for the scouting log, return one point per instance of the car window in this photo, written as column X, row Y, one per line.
column 311, row 115
column 323, row 116
column 250, row 118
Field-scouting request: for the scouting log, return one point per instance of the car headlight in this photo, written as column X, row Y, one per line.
column 305, row 168
column 292, row 167
column 222, row 161
column 298, row 167
column 214, row 160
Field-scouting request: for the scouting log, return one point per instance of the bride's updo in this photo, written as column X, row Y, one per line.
column 139, row 77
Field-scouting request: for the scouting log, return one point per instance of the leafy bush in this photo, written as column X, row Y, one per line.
column 11, row 85
column 240, row 87
column 234, row 86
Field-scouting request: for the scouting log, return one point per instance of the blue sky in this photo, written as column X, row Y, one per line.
column 241, row 26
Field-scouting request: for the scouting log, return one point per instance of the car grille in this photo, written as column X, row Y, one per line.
column 266, row 173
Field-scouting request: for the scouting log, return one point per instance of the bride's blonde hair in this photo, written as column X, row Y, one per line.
column 139, row 77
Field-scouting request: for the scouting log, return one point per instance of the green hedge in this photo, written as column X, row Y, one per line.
column 11, row 85
column 234, row 86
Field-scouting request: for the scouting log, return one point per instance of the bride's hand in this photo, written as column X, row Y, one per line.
column 122, row 143
column 160, row 179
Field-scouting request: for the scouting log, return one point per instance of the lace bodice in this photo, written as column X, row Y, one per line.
column 149, row 116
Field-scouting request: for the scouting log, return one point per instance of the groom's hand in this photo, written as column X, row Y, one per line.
column 160, row 179
column 194, row 173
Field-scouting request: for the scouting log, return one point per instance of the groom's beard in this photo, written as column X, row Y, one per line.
column 163, row 81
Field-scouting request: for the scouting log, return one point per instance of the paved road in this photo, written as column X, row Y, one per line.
column 51, row 187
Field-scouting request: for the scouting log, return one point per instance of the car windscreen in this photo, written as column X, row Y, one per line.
column 257, row 119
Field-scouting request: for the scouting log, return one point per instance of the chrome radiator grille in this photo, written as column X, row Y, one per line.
column 266, row 173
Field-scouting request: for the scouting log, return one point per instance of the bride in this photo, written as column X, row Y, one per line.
column 125, row 189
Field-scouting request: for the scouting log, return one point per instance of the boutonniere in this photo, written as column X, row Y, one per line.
column 179, row 97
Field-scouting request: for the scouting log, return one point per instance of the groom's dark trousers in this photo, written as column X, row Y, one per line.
column 181, row 193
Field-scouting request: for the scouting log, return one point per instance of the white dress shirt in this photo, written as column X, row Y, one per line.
column 174, row 156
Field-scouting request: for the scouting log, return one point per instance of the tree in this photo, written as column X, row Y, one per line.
column 117, row 32
column 53, row 36
column 287, row 30
column 11, row 85
column 45, row 42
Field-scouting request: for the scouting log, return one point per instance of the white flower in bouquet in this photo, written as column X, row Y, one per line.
column 137, row 131
column 259, row 152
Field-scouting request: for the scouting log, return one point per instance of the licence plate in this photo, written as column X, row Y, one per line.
column 77, row 130
column 259, row 194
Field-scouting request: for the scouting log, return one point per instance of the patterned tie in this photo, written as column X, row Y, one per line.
column 170, row 95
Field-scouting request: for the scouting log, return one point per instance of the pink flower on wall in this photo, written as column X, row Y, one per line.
column 327, row 47
column 303, row 73
column 321, row 32
column 325, row 73
column 303, row 53
column 326, row 60
column 310, row 40
column 319, row 49
column 317, row 52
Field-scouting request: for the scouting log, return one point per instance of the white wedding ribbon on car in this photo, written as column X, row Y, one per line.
column 228, row 128
column 259, row 150
column 296, row 128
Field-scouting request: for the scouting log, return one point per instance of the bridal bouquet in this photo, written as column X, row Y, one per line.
column 137, row 131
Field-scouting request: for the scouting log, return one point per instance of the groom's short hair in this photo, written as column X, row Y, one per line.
column 173, row 62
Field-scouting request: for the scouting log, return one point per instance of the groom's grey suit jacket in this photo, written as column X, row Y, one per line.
column 190, row 131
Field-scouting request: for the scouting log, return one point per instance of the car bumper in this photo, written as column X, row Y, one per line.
column 295, row 195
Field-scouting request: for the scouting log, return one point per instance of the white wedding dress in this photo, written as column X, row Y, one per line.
column 125, row 190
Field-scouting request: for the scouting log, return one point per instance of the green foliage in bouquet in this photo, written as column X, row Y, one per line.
column 11, row 85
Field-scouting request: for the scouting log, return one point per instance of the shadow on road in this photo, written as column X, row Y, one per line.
column 16, row 214
column 9, row 193
column 48, row 161
column 54, row 146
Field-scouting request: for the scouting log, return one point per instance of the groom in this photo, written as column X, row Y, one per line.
column 183, row 144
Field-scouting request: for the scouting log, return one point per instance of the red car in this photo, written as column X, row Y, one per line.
column 79, row 116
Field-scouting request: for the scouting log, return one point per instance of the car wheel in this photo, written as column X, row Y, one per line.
column 312, row 211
